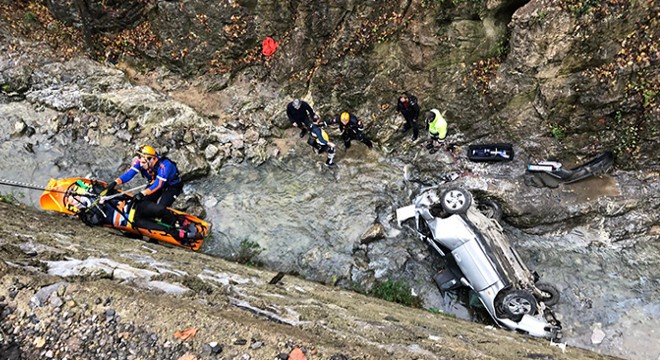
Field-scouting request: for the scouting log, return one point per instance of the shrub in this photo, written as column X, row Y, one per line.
column 396, row 291
column 247, row 253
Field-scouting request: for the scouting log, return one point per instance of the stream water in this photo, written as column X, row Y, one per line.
column 308, row 219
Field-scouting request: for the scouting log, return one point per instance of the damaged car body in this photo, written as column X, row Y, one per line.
column 479, row 256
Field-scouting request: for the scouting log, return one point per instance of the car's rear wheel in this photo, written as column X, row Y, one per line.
column 550, row 293
column 517, row 303
column 490, row 208
column 456, row 201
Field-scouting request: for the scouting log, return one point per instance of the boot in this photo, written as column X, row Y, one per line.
column 303, row 132
column 329, row 163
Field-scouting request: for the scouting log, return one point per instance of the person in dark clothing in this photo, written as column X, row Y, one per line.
column 300, row 114
column 320, row 141
column 351, row 129
column 123, row 211
column 409, row 108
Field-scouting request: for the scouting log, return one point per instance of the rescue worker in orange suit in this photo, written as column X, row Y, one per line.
column 160, row 172
column 320, row 141
column 351, row 129
column 409, row 108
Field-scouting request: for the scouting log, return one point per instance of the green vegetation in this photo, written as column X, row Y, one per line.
column 395, row 291
column 8, row 198
column 628, row 136
column 557, row 131
column 502, row 47
column 29, row 17
column 581, row 7
column 247, row 253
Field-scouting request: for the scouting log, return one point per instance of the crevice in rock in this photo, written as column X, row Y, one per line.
column 504, row 14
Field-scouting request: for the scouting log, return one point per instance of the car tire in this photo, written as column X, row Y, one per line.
column 491, row 209
column 456, row 200
column 550, row 293
column 516, row 303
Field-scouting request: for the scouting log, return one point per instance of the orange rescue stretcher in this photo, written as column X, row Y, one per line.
column 68, row 196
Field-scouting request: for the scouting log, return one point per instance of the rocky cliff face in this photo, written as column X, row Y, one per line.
column 558, row 78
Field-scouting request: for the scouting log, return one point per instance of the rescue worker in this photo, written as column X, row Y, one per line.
column 320, row 141
column 409, row 108
column 300, row 114
column 161, row 173
column 437, row 130
column 124, row 211
column 351, row 129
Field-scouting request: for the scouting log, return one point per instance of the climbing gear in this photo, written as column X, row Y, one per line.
column 146, row 151
column 345, row 117
column 27, row 186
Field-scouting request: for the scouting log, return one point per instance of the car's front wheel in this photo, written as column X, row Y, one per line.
column 456, row 200
column 517, row 303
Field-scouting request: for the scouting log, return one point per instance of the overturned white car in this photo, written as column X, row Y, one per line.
column 478, row 255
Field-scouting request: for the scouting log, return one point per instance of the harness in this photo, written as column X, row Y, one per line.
column 152, row 173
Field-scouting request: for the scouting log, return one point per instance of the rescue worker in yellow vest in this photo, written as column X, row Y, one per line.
column 320, row 141
column 437, row 130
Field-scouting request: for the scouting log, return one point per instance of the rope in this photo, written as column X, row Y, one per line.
column 26, row 185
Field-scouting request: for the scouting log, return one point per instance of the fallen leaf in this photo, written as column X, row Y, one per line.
column 297, row 354
column 185, row 334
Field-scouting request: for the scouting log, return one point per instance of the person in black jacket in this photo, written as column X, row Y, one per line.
column 351, row 129
column 409, row 108
column 300, row 114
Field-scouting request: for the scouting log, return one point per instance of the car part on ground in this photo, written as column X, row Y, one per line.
column 490, row 152
column 551, row 173
column 479, row 256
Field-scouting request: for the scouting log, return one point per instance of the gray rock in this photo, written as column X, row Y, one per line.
column 40, row 298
